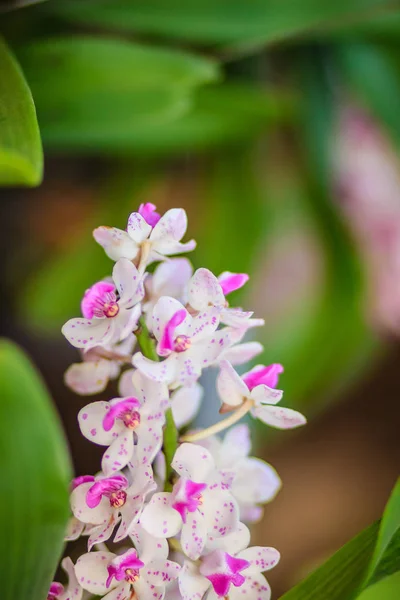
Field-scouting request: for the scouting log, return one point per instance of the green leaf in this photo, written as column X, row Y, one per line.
column 95, row 92
column 386, row 589
column 372, row 73
column 217, row 21
column 6, row 5
column 35, row 474
column 21, row 158
column 386, row 558
column 340, row 577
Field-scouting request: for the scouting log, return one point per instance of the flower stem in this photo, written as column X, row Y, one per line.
column 221, row 425
column 170, row 442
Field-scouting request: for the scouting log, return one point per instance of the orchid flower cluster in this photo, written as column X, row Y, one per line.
column 175, row 502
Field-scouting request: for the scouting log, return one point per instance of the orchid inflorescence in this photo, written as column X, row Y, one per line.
column 162, row 496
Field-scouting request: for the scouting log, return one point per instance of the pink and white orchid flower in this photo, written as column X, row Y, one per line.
column 110, row 310
column 170, row 278
column 107, row 501
column 188, row 343
column 99, row 366
column 257, row 387
column 185, row 404
column 131, row 575
column 254, row 481
column 162, row 234
column 199, row 505
column 73, row 591
column 206, row 290
column 130, row 426
column 229, row 570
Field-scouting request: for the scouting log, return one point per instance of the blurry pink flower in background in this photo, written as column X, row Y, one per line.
column 367, row 172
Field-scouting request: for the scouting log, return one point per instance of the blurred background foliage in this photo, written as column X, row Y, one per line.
column 275, row 124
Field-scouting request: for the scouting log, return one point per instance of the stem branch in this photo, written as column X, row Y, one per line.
column 221, row 425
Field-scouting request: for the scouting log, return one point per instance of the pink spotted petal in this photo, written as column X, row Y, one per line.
column 74, row 530
column 138, row 228
column 163, row 312
column 150, row 438
column 205, row 291
column 88, row 333
column 121, row 592
column 194, row 534
column 74, row 590
column 166, row 343
column 116, row 243
column 94, row 516
column 264, row 395
column 159, row 518
column 102, row 533
column 281, row 418
column 255, row 587
column 91, row 571
column 192, row 585
column 230, row 282
column 193, row 462
column 172, row 225
column 129, row 283
column 149, row 548
column 161, row 572
column 130, row 514
column 104, row 487
column 161, row 372
column 120, row 452
column 90, row 419
column 88, row 378
column 233, row 543
column 260, row 559
column 222, row 512
column 117, row 408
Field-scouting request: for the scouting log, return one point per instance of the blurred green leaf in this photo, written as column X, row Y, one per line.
column 217, row 21
column 386, row 589
column 206, row 124
column 35, row 475
column 6, row 5
column 96, row 92
column 386, row 558
column 21, row 159
column 340, row 577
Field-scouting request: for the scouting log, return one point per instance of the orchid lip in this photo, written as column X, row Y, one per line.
column 182, row 343
column 187, row 497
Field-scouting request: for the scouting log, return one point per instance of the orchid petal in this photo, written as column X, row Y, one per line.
column 281, row 418
column 194, row 534
column 116, row 243
column 185, row 404
column 101, row 533
column 231, row 282
column 161, row 572
column 88, row 378
column 120, row 452
column 138, row 228
column 122, row 592
column 162, row 372
column 205, row 291
column 222, row 512
column 91, row 571
column 74, row 529
column 255, row 587
column 74, row 590
column 128, row 282
column 172, row 225
column 260, row 558
column 150, row 438
column 171, row 278
column 264, row 395
column 163, row 312
column 95, row 516
column 193, row 462
column 192, row 585
column 148, row 547
column 255, row 482
column 231, row 388
column 159, row 518
column 88, row 333
column 233, row 543
column 90, row 419
column 243, row 353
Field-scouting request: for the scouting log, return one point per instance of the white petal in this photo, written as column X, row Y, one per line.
column 204, row 325
column 148, row 547
column 116, row 243
column 260, row 558
column 194, row 534
column 171, row 278
column 188, row 366
column 281, row 418
column 89, row 377
column 185, row 404
column 91, row 571
column 146, row 591
column 101, row 533
column 130, row 514
column 159, row 518
column 117, row 456
column 236, row 446
column 161, row 572
column 138, row 228
column 122, row 592
column 169, row 247
column 243, row 353
column 126, row 321
column 95, row 516
column 151, row 394
column 192, row 585
column 163, row 311
column 90, row 419
column 262, row 394
column 222, row 512
column 88, row 333
column 231, row 388
column 233, row 542
column 162, row 372
column 74, row 590
column 173, row 224
column 74, row 529
column 150, row 439
column 128, row 282
column 194, row 462
column 205, row 291
column 126, row 388
column 255, row 482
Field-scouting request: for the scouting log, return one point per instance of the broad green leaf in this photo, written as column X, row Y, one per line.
column 386, row 589
column 386, row 558
column 94, row 93
column 35, row 475
column 340, row 577
column 217, row 21
column 21, row 158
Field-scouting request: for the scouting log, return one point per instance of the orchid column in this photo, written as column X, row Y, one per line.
column 177, row 505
